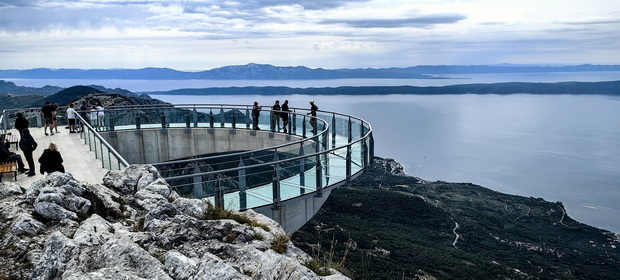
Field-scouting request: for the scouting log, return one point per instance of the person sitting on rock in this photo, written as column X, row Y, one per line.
column 51, row 160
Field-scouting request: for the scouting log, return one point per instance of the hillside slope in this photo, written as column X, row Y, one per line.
column 402, row 227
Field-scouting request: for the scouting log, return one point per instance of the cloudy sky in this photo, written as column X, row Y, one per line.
column 201, row 35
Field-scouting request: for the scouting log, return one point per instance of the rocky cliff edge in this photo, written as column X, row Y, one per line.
column 134, row 227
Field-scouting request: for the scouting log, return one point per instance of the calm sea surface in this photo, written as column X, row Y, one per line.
column 558, row 147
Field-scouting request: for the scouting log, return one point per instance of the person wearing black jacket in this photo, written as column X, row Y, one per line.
column 21, row 123
column 28, row 145
column 284, row 115
column 275, row 116
column 8, row 156
column 51, row 160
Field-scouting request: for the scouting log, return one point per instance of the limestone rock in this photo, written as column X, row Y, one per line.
column 9, row 189
column 105, row 200
column 192, row 207
column 179, row 266
column 131, row 179
column 26, row 224
column 133, row 227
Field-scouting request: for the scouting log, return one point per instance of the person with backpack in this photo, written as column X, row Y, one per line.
column 28, row 145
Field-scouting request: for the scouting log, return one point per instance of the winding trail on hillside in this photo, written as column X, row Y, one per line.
column 456, row 226
column 526, row 214
column 563, row 215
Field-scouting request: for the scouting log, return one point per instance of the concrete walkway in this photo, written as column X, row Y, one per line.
column 78, row 159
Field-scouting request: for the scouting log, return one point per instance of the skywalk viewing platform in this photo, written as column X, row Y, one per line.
column 213, row 152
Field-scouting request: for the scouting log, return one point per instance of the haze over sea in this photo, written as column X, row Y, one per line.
column 557, row 147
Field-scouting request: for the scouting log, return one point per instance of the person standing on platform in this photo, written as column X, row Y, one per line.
column 83, row 113
column 275, row 115
column 28, row 145
column 51, row 160
column 71, row 115
column 255, row 115
column 48, row 114
column 21, row 123
column 313, row 109
column 100, row 116
column 93, row 117
column 284, row 115
column 55, row 119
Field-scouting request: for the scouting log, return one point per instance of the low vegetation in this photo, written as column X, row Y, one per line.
column 215, row 213
column 401, row 228
column 279, row 243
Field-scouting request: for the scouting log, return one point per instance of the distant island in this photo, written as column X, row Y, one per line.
column 14, row 96
column 591, row 88
column 255, row 71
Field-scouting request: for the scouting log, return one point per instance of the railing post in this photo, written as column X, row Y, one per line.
column 39, row 119
column 219, row 195
column 294, row 121
column 211, row 118
column 221, row 117
column 195, row 116
column 303, row 126
column 5, row 125
column 302, row 169
column 319, row 177
column 276, row 187
column 243, row 200
column 187, row 121
column 197, row 183
column 163, row 120
column 334, row 130
column 137, row 121
column 272, row 124
column 234, row 119
column 106, row 118
column 350, row 129
column 365, row 160
column 348, row 163
column 110, row 121
column 372, row 147
column 249, row 119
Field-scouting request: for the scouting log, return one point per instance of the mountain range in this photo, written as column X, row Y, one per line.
column 255, row 71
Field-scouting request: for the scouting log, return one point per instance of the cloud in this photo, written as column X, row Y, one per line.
column 419, row 21
column 340, row 33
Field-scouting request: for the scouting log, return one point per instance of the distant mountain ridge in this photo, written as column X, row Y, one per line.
column 255, row 71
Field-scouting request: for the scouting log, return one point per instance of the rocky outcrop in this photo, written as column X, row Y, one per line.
column 134, row 227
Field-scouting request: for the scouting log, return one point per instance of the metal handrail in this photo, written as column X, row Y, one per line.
column 103, row 142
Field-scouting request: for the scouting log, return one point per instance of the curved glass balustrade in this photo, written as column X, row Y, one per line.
column 307, row 164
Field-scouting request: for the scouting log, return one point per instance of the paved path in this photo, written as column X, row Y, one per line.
column 78, row 159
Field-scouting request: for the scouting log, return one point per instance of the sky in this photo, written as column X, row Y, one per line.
column 196, row 35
